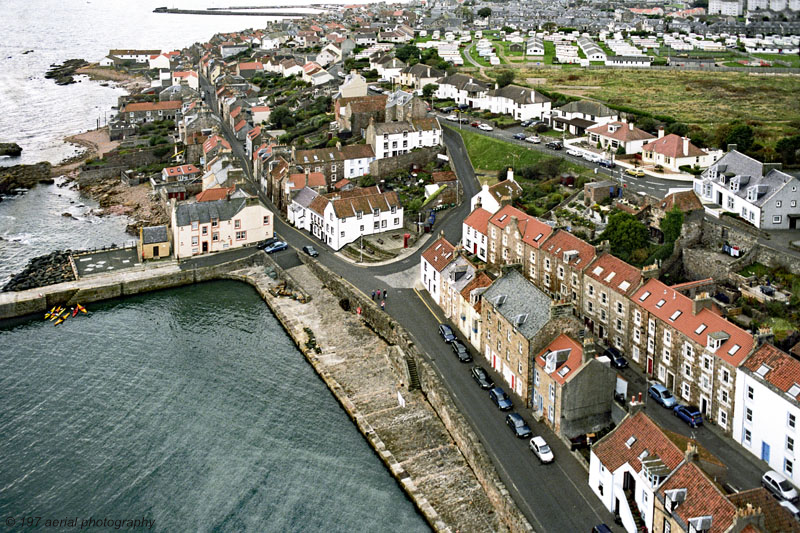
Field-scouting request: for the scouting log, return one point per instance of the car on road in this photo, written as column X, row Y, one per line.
column 267, row 242
column 518, row 425
column 554, row 145
column 591, row 157
column 689, row 413
column 500, row 399
column 447, row 333
column 617, row 361
column 463, row 107
column 461, row 351
column 573, row 152
column 793, row 510
column 778, row 485
column 276, row 247
column 533, row 139
column 451, row 118
column 482, row 377
column 662, row 395
column 525, row 123
column 475, row 124
column 635, row 172
column 601, row 528
column 607, row 163
column 519, row 136
column 310, row 250
column 485, row 127
column 447, row 109
column 540, row 448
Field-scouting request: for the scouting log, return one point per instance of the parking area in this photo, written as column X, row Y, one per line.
column 105, row 261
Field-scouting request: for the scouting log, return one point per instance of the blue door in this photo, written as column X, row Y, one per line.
column 765, row 452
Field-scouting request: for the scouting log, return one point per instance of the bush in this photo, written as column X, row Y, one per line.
column 161, row 151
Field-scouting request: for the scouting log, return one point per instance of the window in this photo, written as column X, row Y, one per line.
column 547, row 264
column 723, row 419
column 666, row 354
column 552, row 392
column 241, row 235
column 776, row 219
column 793, row 203
column 619, row 308
column 591, row 290
column 194, row 226
column 723, row 397
column 788, row 466
column 237, row 224
column 215, row 236
column 536, row 378
column 748, row 414
column 636, row 353
column 791, row 421
column 214, row 222
column 637, row 335
column 667, row 337
column 560, row 272
column 590, row 306
column 778, row 203
column 651, row 327
column 748, row 437
column 687, row 391
column 205, row 230
column 637, row 317
column 726, row 376
column 750, row 394
column 519, row 368
column 790, row 444
column 341, row 234
column 687, row 370
column 194, row 241
column 603, row 297
column 706, row 362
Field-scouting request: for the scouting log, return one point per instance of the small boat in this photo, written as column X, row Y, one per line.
column 82, row 309
column 60, row 320
column 49, row 314
column 59, row 311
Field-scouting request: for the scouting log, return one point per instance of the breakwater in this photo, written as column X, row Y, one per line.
column 176, row 11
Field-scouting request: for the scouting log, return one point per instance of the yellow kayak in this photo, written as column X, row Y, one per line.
column 59, row 311
column 50, row 313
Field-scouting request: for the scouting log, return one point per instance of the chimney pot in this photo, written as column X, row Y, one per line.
column 660, row 132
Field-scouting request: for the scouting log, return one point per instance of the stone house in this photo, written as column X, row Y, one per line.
column 335, row 163
column 563, row 258
column 502, row 193
column 389, row 139
column 432, row 263
column 515, row 238
column 468, row 313
column 354, row 84
column 401, row 105
column 153, row 242
column 455, row 276
column 608, row 284
column 419, row 75
column 687, row 346
column 141, row 112
column 353, row 114
column 517, row 321
column 571, row 388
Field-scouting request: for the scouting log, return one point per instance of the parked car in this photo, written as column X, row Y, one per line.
column 447, row 109
column 310, row 250
column 574, row 152
column 451, row 118
column 446, row 332
column 519, row 136
column 689, row 413
column 518, row 425
column 276, row 247
column 793, row 510
column 485, row 127
column 778, row 485
column 533, row 139
column 475, row 124
column 267, row 242
column 482, row 377
column 617, row 361
column 525, row 123
column 461, row 351
column 601, row 528
column 500, row 399
column 635, row 172
column 591, row 157
column 554, row 145
column 607, row 163
column 541, row 449
column 662, row 395
column 463, row 107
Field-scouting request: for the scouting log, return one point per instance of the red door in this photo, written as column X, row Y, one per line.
column 649, row 365
column 475, row 248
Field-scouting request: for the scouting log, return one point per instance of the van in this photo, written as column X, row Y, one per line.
column 778, row 485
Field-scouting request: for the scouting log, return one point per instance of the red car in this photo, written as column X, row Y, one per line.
column 475, row 124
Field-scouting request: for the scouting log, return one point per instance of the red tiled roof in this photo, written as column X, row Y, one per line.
column 235, row 112
column 341, row 183
column 182, row 170
column 672, row 146
column 623, row 133
column 672, row 302
column 480, row 281
column 625, row 278
column 239, row 125
column 439, row 254
column 776, row 518
column 255, row 132
column 534, row 231
column 613, row 450
column 315, row 179
column 260, row 108
column 784, row 370
column 212, row 195
column 185, row 74
column 573, row 362
column 348, row 205
column 479, row 220
column 686, row 201
column 152, row 106
column 213, row 141
column 563, row 241
column 319, row 204
column 703, row 498
column 251, row 65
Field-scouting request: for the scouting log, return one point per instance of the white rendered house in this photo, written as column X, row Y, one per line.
column 432, row 262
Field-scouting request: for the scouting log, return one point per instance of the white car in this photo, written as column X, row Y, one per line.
column 541, row 449
column 533, row 139
column 485, row 127
column 573, row 152
column 451, row 118
column 593, row 158
column 778, row 485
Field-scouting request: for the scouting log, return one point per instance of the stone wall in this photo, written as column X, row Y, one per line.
column 421, row 157
column 701, row 263
column 434, row 390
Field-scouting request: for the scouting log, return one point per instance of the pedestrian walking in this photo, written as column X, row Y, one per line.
column 383, row 305
column 385, row 293
column 373, row 295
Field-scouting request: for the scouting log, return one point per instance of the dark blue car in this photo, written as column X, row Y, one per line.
column 690, row 414
column 518, row 425
column 446, row 332
column 519, row 136
column 276, row 247
column 500, row 399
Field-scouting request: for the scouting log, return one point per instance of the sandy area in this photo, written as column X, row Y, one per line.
column 95, row 143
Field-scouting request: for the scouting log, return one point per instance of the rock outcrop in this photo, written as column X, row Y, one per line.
column 43, row 270
column 22, row 176
column 63, row 73
column 11, row 149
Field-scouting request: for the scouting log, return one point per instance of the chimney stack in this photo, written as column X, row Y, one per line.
column 685, row 146
column 630, row 126
column 510, row 174
column 691, row 452
column 700, row 302
column 339, row 145
column 732, row 147
column 589, row 349
column 660, row 132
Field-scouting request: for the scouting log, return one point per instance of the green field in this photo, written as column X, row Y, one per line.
column 792, row 59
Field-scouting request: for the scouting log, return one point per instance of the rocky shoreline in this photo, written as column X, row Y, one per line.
column 62, row 74
column 10, row 149
column 116, row 198
column 44, row 270
column 23, row 177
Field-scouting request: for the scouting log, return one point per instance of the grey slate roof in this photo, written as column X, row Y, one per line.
column 154, row 235
column 521, row 298
column 305, row 196
column 587, row 107
column 203, row 212
column 519, row 95
column 737, row 167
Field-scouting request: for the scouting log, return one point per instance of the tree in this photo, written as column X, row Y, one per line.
column 507, row 29
column 505, row 77
column 625, row 234
column 429, row 89
column 742, row 136
column 788, row 149
column 551, row 166
column 678, row 128
column 671, row 224
column 484, row 12
column 282, row 117
column 647, row 124
column 406, row 52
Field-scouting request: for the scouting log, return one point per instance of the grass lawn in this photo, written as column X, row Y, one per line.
column 768, row 103
column 756, row 268
column 490, row 154
column 549, row 52
column 474, row 53
column 792, row 59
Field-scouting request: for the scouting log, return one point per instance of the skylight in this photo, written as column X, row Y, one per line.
column 700, row 329
column 610, row 276
column 762, row 370
column 661, row 303
column 630, row 441
column 794, row 390
column 502, row 218
column 597, row 270
column 734, row 349
column 563, row 371
column 644, row 454
column 624, row 285
column 538, row 237
column 644, row 296
column 675, row 315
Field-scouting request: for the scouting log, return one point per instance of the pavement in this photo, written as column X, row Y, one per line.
column 103, row 261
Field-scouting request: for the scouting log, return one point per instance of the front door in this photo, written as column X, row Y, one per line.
column 765, row 452
column 704, row 406
column 205, row 247
column 649, row 364
column 475, row 248
column 670, row 380
column 155, row 251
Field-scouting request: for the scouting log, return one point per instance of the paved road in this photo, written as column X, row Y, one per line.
column 657, row 187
